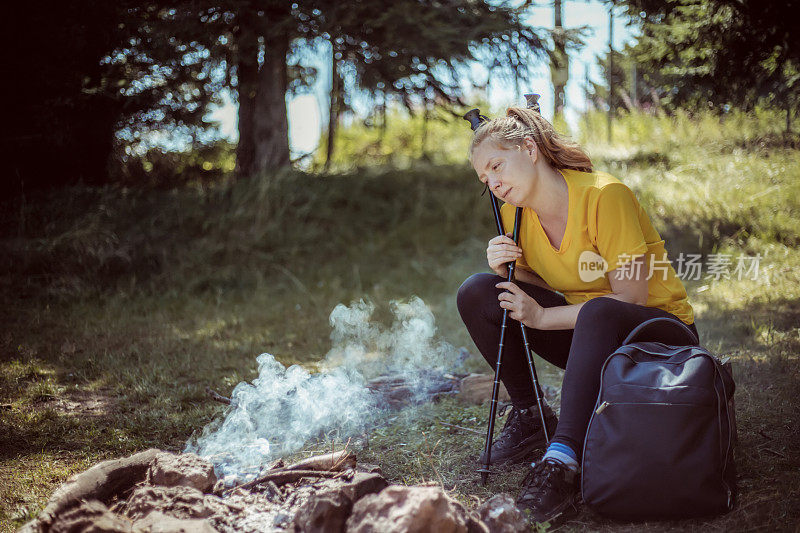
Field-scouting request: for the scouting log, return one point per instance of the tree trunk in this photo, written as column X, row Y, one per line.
column 333, row 110
column 247, row 74
column 559, row 62
column 270, row 122
column 384, row 104
column 425, row 119
column 95, row 129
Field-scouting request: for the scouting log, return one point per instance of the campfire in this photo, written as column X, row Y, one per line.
column 161, row 491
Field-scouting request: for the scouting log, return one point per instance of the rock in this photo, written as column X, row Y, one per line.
column 32, row 526
column 501, row 515
column 219, row 487
column 363, row 484
column 157, row 522
column 281, row 520
column 101, row 482
column 477, row 388
column 326, row 510
column 369, row 468
column 177, row 502
column 410, row 509
column 323, row 512
column 90, row 517
column 187, row 469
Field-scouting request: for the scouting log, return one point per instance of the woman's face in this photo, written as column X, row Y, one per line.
column 509, row 172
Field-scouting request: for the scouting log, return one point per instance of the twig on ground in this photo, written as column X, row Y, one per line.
column 779, row 454
column 754, row 502
column 217, row 397
column 344, row 457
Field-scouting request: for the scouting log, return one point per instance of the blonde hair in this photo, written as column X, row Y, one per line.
column 558, row 150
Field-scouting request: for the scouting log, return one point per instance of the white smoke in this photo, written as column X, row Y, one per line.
column 284, row 408
column 408, row 347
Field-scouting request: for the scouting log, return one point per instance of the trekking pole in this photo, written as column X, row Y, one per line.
column 532, row 102
column 528, row 351
column 476, row 119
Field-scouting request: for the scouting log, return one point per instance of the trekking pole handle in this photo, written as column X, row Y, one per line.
column 475, row 118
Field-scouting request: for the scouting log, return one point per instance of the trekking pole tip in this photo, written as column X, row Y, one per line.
column 484, row 475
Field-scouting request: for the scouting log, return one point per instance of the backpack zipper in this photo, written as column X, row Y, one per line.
column 602, row 407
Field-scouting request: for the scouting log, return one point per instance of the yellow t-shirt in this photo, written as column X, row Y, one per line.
column 605, row 223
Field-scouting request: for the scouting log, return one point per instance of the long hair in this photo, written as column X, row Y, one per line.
column 510, row 131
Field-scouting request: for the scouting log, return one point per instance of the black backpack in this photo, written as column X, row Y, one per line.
column 660, row 442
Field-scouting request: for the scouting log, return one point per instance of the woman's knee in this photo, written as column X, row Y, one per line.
column 476, row 290
column 599, row 309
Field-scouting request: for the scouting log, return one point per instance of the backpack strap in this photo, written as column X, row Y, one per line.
column 676, row 324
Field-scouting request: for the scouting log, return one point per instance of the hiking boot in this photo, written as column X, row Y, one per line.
column 521, row 435
column 549, row 489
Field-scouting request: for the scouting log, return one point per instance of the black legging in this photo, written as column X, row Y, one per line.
column 602, row 325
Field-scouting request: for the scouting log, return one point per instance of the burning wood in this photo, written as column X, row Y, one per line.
column 285, row 476
column 322, row 466
column 332, row 462
column 399, row 391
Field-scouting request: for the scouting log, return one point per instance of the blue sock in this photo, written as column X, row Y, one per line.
column 563, row 454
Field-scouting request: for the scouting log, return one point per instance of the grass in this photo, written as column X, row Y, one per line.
column 121, row 306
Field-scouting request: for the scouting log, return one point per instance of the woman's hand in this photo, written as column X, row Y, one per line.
column 522, row 307
column 501, row 251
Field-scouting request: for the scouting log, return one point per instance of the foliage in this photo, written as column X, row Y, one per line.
column 400, row 139
column 409, row 47
column 650, row 88
column 715, row 52
column 203, row 164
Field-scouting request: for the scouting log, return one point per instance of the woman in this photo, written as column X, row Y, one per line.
column 590, row 268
